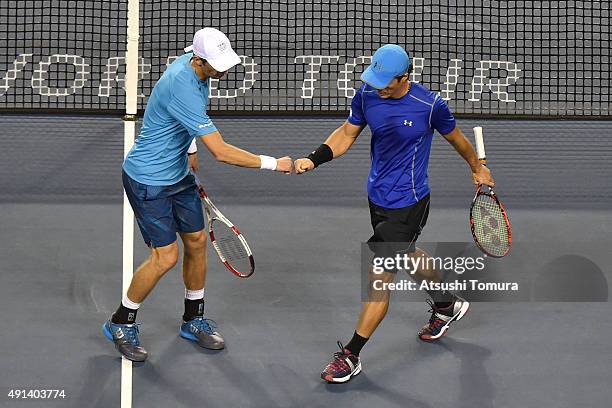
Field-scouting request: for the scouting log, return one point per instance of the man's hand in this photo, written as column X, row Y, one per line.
column 193, row 162
column 303, row 165
column 482, row 175
column 284, row 164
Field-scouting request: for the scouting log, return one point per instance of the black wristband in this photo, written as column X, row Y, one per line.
column 323, row 154
column 191, row 154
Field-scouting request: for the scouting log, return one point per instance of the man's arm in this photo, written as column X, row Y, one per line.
column 227, row 153
column 192, row 156
column 338, row 142
column 343, row 138
column 480, row 173
column 189, row 109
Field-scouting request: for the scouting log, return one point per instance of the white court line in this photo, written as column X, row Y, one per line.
column 129, row 127
column 126, row 383
column 128, row 266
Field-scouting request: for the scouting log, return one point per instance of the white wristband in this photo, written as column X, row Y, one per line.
column 193, row 147
column 267, row 162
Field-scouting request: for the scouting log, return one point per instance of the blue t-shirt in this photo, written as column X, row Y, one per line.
column 402, row 132
column 175, row 114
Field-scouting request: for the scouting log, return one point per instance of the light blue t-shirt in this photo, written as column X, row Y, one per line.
column 402, row 132
column 175, row 114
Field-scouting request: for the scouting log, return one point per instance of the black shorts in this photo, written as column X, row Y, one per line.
column 398, row 225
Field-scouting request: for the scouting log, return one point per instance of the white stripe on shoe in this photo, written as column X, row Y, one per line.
column 354, row 371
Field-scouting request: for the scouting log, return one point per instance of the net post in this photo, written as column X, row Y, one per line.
column 129, row 135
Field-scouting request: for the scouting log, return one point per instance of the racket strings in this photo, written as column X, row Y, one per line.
column 231, row 248
column 490, row 227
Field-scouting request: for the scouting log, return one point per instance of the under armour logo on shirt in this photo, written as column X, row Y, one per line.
column 407, row 123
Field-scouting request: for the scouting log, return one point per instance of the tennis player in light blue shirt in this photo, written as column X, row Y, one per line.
column 175, row 115
column 163, row 194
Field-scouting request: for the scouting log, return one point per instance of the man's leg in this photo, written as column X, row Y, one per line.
column 150, row 271
column 194, row 259
column 391, row 227
column 187, row 209
column 426, row 272
column 391, row 236
column 121, row 328
column 153, row 211
column 145, row 278
column 346, row 363
column 189, row 218
column 194, row 273
column 373, row 311
column 446, row 308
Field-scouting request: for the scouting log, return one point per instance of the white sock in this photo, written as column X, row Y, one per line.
column 126, row 302
column 194, row 294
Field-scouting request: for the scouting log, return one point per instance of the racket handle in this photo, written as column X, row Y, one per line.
column 197, row 180
column 198, row 184
column 480, row 149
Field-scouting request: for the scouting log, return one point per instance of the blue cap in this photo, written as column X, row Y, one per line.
column 388, row 62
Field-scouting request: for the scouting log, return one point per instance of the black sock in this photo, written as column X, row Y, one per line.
column 441, row 298
column 356, row 344
column 193, row 308
column 123, row 315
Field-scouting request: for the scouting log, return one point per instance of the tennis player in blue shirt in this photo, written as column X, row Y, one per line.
column 402, row 117
column 163, row 195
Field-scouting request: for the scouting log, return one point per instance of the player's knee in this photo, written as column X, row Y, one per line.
column 195, row 241
column 165, row 258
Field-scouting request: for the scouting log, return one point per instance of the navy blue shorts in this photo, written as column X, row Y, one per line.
column 162, row 211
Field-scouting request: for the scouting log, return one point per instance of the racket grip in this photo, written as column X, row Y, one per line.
column 480, row 149
column 195, row 176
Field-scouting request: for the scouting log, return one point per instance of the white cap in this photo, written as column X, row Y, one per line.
column 213, row 46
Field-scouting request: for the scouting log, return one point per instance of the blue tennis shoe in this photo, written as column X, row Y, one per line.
column 125, row 337
column 202, row 331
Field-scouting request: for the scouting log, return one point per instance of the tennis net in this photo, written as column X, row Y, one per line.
column 487, row 58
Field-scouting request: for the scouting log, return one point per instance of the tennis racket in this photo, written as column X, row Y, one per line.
column 226, row 239
column 488, row 218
